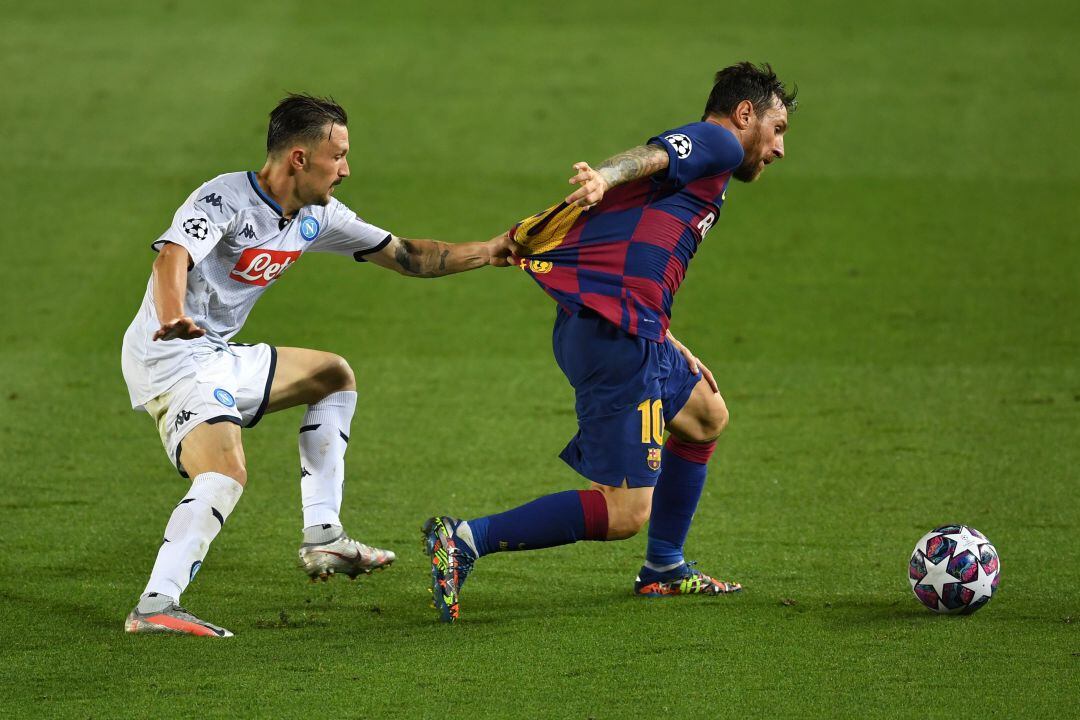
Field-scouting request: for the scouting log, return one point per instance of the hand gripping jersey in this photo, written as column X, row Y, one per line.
column 626, row 257
column 240, row 244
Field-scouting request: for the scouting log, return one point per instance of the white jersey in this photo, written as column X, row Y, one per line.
column 239, row 244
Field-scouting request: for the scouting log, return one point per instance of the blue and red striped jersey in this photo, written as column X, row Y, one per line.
column 626, row 257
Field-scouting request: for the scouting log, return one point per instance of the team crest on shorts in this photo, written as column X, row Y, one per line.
column 309, row 228
column 224, row 397
column 653, row 460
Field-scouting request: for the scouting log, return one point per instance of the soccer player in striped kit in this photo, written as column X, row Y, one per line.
column 230, row 240
column 614, row 272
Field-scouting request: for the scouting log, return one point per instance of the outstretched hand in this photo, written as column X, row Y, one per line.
column 593, row 185
column 181, row 328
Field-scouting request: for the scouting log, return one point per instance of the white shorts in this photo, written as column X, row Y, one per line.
column 229, row 386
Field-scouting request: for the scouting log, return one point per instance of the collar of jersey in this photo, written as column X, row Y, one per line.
column 263, row 196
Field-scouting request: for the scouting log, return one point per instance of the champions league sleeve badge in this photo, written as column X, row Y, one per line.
column 309, row 228
column 681, row 144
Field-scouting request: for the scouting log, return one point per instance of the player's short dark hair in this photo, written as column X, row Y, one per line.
column 303, row 117
column 746, row 81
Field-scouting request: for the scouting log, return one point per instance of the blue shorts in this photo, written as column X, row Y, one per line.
column 627, row 389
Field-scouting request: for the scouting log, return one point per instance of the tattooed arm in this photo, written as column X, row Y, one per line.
column 635, row 163
column 432, row 258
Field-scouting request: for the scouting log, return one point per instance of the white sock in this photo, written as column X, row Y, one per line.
column 322, row 534
column 194, row 524
column 324, row 437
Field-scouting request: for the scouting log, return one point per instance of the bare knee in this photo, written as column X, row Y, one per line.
column 237, row 473
column 715, row 420
column 229, row 464
column 214, row 448
column 708, row 423
column 628, row 524
column 628, row 510
column 336, row 375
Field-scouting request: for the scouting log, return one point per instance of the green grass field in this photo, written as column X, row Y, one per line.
column 893, row 313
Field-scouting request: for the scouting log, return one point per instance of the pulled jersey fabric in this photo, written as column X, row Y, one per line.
column 626, row 257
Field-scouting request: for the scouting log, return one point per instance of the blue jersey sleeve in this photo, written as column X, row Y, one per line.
column 698, row 150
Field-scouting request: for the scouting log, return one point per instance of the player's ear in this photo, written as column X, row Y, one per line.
column 298, row 158
column 743, row 114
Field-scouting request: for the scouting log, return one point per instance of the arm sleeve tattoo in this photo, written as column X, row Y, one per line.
column 638, row 162
column 431, row 258
column 404, row 257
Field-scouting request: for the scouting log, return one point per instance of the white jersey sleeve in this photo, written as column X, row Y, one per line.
column 202, row 220
column 346, row 234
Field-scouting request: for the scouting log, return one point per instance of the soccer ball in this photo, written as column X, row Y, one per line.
column 954, row 569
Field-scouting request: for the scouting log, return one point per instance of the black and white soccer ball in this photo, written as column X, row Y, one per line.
column 196, row 228
column 954, row 569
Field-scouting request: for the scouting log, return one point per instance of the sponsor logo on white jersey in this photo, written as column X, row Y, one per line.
column 261, row 267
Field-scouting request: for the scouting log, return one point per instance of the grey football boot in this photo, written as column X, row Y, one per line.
column 342, row 556
column 168, row 617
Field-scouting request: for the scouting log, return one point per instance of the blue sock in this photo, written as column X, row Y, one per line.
column 674, row 502
column 558, row 519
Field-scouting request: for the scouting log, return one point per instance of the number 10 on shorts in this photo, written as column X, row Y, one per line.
column 652, row 421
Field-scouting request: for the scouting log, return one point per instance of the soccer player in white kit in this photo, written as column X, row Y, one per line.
column 230, row 240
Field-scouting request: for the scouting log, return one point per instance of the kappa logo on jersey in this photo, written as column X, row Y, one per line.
column 212, row 199
column 196, row 228
column 261, row 267
column 309, row 228
column 224, row 397
column 681, row 143
column 247, row 232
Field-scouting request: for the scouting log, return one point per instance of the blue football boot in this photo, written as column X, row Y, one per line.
column 451, row 563
column 683, row 580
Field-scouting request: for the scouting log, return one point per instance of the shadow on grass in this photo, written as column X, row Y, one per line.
column 61, row 607
column 589, row 604
column 845, row 613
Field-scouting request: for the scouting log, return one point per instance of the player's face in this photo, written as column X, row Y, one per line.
column 765, row 145
column 326, row 166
